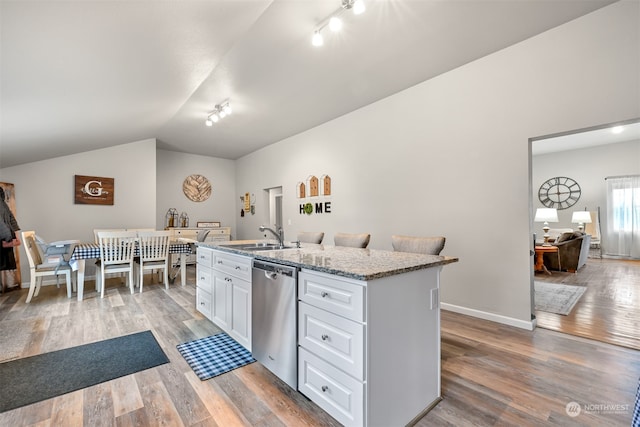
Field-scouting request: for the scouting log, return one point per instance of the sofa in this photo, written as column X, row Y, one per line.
column 573, row 251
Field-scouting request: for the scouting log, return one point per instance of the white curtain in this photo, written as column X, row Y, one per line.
column 622, row 235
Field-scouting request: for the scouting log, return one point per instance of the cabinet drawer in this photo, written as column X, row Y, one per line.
column 204, row 278
column 334, row 391
column 205, row 257
column 203, row 302
column 342, row 297
column 233, row 265
column 335, row 339
column 218, row 232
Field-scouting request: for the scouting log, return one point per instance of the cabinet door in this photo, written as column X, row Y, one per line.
column 241, row 312
column 221, row 307
column 203, row 302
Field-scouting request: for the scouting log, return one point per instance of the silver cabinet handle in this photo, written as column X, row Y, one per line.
column 219, row 261
column 324, row 388
column 324, row 337
column 324, row 294
column 237, row 267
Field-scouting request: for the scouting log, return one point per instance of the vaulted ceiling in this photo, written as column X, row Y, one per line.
column 83, row 75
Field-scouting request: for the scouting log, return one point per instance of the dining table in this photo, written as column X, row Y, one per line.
column 85, row 251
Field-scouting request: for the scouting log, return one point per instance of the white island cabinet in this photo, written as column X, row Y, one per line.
column 369, row 351
column 223, row 292
column 368, row 328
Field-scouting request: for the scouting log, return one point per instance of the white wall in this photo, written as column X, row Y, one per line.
column 45, row 193
column 588, row 167
column 450, row 156
column 174, row 167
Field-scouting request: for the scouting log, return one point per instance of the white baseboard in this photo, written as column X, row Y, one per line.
column 52, row 281
column 522, row 324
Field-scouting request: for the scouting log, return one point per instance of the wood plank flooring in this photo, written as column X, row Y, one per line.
column 609, row 310
column 491, row 374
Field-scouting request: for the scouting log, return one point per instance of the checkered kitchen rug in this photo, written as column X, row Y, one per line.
column 214, row 355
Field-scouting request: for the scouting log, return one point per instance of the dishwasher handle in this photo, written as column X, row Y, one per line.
column 272, row 270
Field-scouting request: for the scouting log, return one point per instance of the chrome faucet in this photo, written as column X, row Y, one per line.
column 279, row 234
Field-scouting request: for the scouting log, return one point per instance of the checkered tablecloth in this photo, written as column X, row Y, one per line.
column 92, row 250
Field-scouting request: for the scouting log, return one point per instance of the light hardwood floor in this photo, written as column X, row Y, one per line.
column 491, row 374
column 609, row 310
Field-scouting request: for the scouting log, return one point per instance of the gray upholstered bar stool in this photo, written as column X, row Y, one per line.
column 352, row 240
column 310, row 237
column 419, row 245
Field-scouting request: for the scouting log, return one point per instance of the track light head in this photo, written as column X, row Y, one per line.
column 317, row 39
column 358, row 7
column 335, row 23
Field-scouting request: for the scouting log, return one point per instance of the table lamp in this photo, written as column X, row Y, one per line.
column 546, row 215
column 581, row 218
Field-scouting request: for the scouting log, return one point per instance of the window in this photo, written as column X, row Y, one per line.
column 625, row 202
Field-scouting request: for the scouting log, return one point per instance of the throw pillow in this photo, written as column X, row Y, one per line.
column 565, row 236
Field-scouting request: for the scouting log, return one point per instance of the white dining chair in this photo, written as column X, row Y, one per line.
column 154, row 254
column 38, row 269
column 116, row 256
column 98, row 230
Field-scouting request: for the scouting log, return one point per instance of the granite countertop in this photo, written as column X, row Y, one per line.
column 359, row 264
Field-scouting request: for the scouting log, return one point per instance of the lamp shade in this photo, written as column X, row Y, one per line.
column 581, row 217
column 546, row 215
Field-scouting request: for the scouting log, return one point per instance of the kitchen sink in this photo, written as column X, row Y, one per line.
column 255, row 246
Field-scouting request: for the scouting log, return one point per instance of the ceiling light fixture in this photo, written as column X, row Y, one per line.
column 219, row 112
column 334, row 22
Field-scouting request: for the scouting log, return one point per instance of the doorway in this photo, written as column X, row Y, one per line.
column 609, row 308
column 275, row 206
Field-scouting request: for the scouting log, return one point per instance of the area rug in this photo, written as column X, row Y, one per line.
column 14, row 337
column 32, row 379
column 214, row 355
column 557, row 298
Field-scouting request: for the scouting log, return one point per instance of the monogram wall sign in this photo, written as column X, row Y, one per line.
column 93, row 190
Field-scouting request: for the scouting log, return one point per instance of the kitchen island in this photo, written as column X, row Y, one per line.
column 368, row 327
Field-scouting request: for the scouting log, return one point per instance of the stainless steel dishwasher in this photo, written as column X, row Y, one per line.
column 274, row 321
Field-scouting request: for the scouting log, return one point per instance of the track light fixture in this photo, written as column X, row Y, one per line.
column 219, row 112
column 334, row 22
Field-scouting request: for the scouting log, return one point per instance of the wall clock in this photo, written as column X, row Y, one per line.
column 197, row 188
column 559, row 192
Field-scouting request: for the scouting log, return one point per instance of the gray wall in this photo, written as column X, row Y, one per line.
column 45, row 193
column 588, row 167
column 450, row 156
column 172, row 170
column 147, row 183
